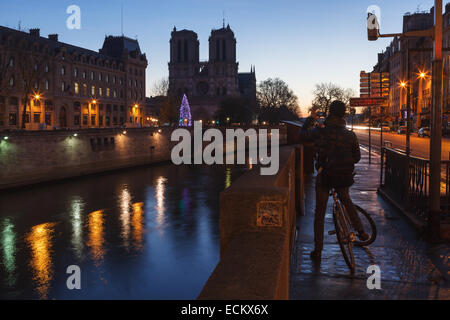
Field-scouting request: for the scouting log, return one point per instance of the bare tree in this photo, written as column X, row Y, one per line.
column 161, row 87
column 169, row 110
column 275, row 93
column 30, row 69
column 326, row 93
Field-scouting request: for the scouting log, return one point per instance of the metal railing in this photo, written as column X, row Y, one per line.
column 407, row 181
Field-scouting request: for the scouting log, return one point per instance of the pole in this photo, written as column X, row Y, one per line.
column 408, row 106
column 408, row 129
column 436, row 128
column 370, row 135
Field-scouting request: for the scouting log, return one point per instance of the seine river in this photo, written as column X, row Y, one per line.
column 144, row 233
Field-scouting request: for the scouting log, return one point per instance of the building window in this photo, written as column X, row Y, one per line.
column 48, row 119
column 93, row 120
column 84, row 74
column 13, row 119
column 63, row 86
column 100, row 91
column 63, row 71
column 85, row 119
column 115, row 108
column 46, row 68
column 115, row 121
column 47, row 85
column 93, row 90
column 75, row 72
column 37, row 117
column 84, row 89
column 107, row 78
column 76, row 120
column 11, row 62
column 115, row 93
column 108, row 92
column 122, row 108
column 92, row 75
column 100, row 120
column 121, row 81
column 27, row 117
column 11, row 82
column 114, row 79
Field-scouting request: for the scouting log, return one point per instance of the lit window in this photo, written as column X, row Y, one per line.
column 63, row 86
column 47, row 85
column 63, row 71
column 77, row 88
column 108, row 92
column 11, row 82
column 75, row 72
column 93, row 90
column 100, row 91
column 11, row 62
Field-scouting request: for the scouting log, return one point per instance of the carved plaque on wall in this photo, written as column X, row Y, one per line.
column 269, row 214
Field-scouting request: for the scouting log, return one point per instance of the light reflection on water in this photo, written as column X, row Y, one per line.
column 147, row 233
column 40, row 241
column 96, row 236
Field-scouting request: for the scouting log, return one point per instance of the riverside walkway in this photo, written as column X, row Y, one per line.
column 410, row 268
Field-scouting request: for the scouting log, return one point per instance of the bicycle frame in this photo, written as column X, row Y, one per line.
column 337, row 203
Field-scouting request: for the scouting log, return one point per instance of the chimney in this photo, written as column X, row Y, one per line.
column 53, row 37
column 35, row 32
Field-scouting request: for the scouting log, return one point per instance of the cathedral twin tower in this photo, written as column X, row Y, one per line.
column 207, row 83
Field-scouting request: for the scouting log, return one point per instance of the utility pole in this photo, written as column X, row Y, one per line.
column 436, row 128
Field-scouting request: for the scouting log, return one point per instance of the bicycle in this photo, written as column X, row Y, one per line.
column 346, row 234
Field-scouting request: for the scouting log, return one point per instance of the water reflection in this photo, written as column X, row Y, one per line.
column 160, row 206
column 96, row 236
column 77, row 226
column 8, row 243
column 40, row 242
column 125, row 205
column 137, row 224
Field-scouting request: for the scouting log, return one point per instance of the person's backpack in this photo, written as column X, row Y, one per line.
column 338, row 163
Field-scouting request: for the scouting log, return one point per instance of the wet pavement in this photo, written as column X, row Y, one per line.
column 410, row 268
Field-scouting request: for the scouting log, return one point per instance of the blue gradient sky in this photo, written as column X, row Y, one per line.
column 302, row 42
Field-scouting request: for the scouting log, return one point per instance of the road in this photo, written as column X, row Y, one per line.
column 420, row 147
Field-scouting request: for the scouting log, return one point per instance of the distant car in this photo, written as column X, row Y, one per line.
column 424, row 132
column 385, row 128
column 401, row 130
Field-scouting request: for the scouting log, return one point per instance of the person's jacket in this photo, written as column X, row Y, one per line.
column 333, row 133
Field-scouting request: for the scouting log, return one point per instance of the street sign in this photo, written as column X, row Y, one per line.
column 368, row 102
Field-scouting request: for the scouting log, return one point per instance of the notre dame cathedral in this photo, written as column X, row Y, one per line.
column 208, row 83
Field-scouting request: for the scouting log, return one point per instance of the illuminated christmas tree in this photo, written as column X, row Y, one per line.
column 185, row 113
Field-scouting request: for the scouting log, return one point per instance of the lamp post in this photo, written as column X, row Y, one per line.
column 434, row 216
column 436, row 128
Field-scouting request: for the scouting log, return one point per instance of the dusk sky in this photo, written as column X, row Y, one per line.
column 301, row 42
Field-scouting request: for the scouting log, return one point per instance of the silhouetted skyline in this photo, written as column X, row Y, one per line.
column 301, row 42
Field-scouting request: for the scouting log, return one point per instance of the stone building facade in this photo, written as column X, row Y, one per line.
column 207, row 83
column 73, row 87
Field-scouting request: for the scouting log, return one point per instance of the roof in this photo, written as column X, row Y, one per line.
column 115, row 46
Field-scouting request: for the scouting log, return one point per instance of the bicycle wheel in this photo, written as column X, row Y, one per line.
column 344, row 236
column 369, row 227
